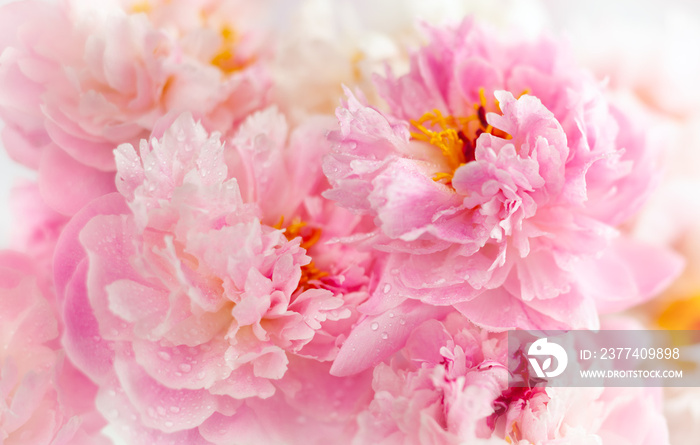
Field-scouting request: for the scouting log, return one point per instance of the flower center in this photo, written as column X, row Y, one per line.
column 682, row 314
column 225, row 59
column 139, row 7
column 456, row 136
column 310, row 275
column 508, row 398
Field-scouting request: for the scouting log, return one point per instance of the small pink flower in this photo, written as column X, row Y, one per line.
column 184, row 296
column 78, row 79
column 496, row 182
column 43, row 399
column 449, row 385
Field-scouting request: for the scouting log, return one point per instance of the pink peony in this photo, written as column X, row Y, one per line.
column 448, row 385
column 36, row 227
column 183, row 299
column 43, row 399
column 496, row 181
column 77, row 79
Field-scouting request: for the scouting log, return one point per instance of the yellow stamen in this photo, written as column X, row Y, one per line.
column 144, row 7
column 482, row 97
column 681, row 314
column 447, row 139
column 443, row 175
column 456, row 136
column 225, row 58
column 310, row 274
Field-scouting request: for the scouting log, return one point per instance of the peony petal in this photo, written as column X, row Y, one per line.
column 381, row 335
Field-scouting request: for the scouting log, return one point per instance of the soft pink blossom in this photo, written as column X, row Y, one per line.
column 449, row 385
column 78, row 79
column 36, row 226
column 497, row 180
column 183, row 291
column 43, row 398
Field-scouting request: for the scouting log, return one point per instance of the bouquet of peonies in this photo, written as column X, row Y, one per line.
column 209, row 255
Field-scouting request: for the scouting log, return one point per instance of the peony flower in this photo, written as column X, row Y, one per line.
column 497, row 179
column 448, row 385
column 43, row 398
column 182, row 302
column 36, row 227
column 328, row 43
column 78, row 79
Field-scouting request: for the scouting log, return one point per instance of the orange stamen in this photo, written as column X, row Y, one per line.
column 310, row 274
column 225, row 59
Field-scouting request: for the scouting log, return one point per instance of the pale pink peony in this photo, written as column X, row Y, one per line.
column 43, row 399
column 36, row 227
column 449, row 385
column 182, row 302
column 79, row 78
column 504, row 207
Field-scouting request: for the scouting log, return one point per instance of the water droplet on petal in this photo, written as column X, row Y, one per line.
column 185, row 367
column 391, row 315
column 374, row 326
column 385, row 335
column 387, row 288
column 402, row 321
column 174, row 409
column 164, row 355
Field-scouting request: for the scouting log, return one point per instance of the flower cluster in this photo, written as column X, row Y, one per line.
column 211, row 257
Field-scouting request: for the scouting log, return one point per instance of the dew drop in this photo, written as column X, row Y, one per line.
column 402, row 322
column 185, row 367
column 391, row 315
column 387, row 288
column 161, row 410
column 385, row 335
column 164, row 355
column 374, row 326
column 174, row 409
